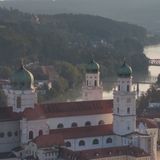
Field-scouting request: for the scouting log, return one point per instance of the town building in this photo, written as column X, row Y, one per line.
column 94, row 129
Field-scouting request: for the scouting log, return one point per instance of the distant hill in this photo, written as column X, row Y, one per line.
column 141, row 12
column 71, row 38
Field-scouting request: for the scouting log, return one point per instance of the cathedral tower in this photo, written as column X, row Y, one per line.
column 92, row 89
column 22, row 93
column 124, row 103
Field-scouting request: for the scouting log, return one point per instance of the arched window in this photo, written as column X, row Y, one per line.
column 9, row 134
column 109, row 140
column 74, row 124
column 18, row 102
column 101, row 122
column 60, row 125
column 95, row 83
column 68, row 144
column 88, row 123
column 1, row 134
column 128, row 88
column 128, row 110
column 40, row 132
column 81, row 143
column 30, row 134
column 95, row 141
column 118, row 87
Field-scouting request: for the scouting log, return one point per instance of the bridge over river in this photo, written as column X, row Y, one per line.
column 154, row 62
column 148, row 80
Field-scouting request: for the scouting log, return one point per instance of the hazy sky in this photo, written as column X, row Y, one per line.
column 142, row 12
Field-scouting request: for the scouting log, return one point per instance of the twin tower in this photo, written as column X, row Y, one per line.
column 22, row 94
column 124, row 96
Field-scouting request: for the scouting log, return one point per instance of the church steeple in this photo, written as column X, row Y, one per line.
column 22, row 93
column 125, row 70
column 92, row 89
column 124, row 107
column 22, row 79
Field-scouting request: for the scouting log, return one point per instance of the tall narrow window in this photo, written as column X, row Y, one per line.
column 95, row 83
column 128, row 110
column 30, row 134
column 40, row 132
column 18, row 102
column 118, row 87
column 128, row 89
column 118, row 110
column 87, row 82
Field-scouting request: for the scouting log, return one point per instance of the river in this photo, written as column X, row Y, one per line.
column 152, row 52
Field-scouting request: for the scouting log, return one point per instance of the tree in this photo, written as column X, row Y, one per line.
column 5, row 72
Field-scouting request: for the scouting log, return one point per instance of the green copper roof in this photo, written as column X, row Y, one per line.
column 125, row 71
column 92, row 67
column 22, row 79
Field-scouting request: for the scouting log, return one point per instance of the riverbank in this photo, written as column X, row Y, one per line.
column 151, row 52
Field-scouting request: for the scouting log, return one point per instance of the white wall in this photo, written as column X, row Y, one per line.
column 28, row 99
column 124, row 107
column 80, row 120
column 89, row 90
column 8, row 143
column 52, row 123
column 33, row 125
column 89, row 143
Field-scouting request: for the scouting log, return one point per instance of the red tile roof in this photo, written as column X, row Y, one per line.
column 44, row 141
column 57, row 137
column 150, row 123
column 103, row 152
column 6, row 114
column 81, row 132
column 69, row 109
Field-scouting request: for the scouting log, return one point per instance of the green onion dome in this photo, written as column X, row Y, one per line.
column 22, row 79
column 92, row 67
column 125, row 71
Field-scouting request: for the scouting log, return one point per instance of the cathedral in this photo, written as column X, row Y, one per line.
column 92, row 129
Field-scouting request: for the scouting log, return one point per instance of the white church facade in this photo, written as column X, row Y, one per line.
column 86, row 130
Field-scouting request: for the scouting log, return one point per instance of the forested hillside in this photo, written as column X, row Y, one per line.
column 141, row 12
column 67, row 37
